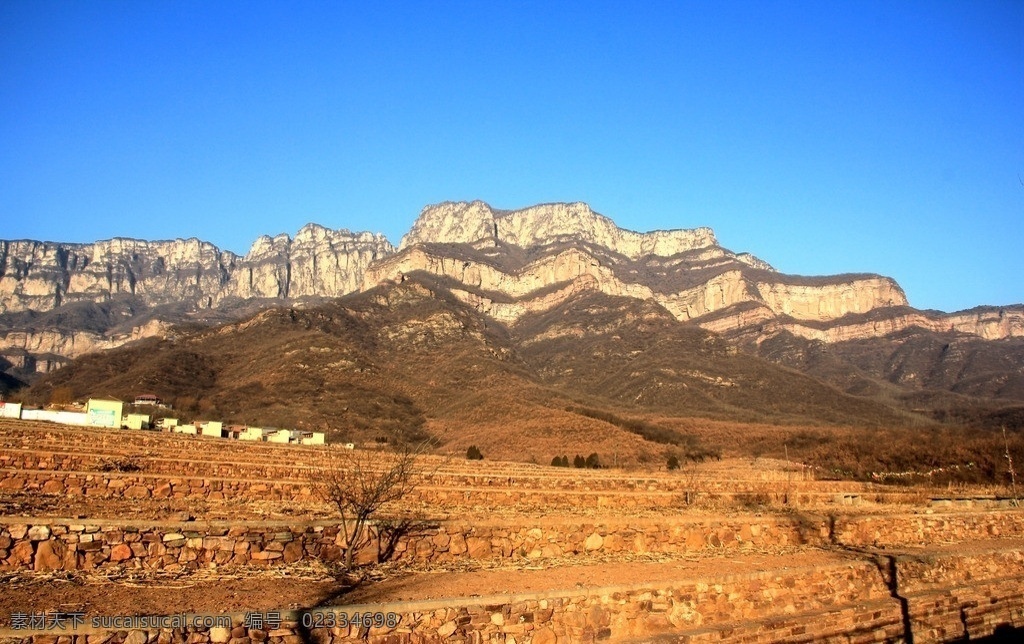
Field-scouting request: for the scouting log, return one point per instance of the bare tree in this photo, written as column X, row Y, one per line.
column 1013, row 473
column 359, row 483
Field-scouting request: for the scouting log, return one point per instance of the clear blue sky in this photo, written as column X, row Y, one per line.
column 824, row 137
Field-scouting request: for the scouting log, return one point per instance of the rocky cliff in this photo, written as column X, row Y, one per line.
column 40, row 276
column 181, row 276
column 505, row 263
column 507, row 291
column 476, row 223
column 477, row 250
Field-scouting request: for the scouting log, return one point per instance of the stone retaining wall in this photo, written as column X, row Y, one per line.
column 551, row 478
column 68, row 545
column 927, row 529
column 840, row 602
column 142, row 485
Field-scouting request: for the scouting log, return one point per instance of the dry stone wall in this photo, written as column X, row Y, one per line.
column 845, row 601
column 189, row 545
column 70, row 544
column 141, row 485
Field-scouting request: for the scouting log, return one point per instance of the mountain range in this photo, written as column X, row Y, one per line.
column 554, row 306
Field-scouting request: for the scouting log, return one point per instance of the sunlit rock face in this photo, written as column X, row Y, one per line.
column 186, row 274
column 318, row 262
column 685, row 271
column 506, row 263
column 477, row 223
column 40, row 276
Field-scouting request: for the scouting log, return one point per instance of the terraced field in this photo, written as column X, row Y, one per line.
column 99, row 524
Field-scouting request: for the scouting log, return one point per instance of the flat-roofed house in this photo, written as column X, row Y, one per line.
column 10, row 410
column 251, row 434
column 280, row 436
column 136, row 421
column 312, row 438
column 104, row 412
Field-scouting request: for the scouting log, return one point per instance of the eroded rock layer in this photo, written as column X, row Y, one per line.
column 506, row 264
column 40, row 276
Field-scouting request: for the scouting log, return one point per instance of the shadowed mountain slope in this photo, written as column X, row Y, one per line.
column 545, row 288
column 405, row 361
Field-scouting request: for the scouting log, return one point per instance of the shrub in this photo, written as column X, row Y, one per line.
column 673, row 462
column 120, row 464
column 474, row 453
column 593, row 462
column 358, row 483
column 579, row 461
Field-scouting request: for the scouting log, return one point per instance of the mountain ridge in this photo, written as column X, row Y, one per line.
column 504, row 263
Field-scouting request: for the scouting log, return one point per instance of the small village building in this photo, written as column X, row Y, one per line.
column 148, row 399
column 213, row 428
column 279, row 436
column 251, row 434
column 104, row 412
column 311, row 438
column 167, row 424
column 186, row 429
column 136, row 421
column 10, row 410
column 234, row 431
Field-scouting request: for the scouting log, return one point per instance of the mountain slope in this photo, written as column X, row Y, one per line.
column 408, row 360
column 637, row 354
column 511, row 268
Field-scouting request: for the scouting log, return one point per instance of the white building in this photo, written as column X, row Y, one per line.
column 251, row 434
column 280, row 436
column 311, row 438
column 10, row 410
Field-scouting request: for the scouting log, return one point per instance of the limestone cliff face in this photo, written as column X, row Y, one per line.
column 477, row 223
column 729, row 285
column 317, row 262
column 69, row 344
column 830, row 301
column 505, row 263
column 40, row 276
column 685, row 271
column 988, row 324
column 574, row 249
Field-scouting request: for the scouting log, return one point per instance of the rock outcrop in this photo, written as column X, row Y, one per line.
column 43, row 350
column 186, row 274
column 505, row 263
column 685, row 271
column 477, row 223
column 40, row 276
column 506, row 292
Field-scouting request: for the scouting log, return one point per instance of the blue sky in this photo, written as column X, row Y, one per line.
column 824, row 137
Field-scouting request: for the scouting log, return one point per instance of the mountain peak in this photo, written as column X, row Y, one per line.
column 477, row 223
